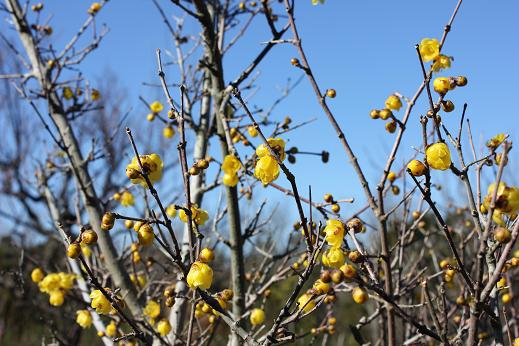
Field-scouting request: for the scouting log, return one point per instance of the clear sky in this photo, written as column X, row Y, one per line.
column 363, row 49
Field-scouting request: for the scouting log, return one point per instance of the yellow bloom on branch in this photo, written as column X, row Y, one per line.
column 429, row 49
column 56, row 298
column 200, row 276
column 230, row 179
column 231, row 165
column 417, row 168
column 111, row 329
column 163, row 327
column 257, row 317
column 84, row 318
column 333, row 257
column 277, row 145
column 37, row 275
column 443, row 84
column 198, row 215
column 152, row 165
column 306, row 303
column 152, row 309
column 441, row 62
column 334, row 231
column 100, row 303
column 495, row 141
column 50, row 282
column 438, row 156
column 266, row 169
column 171, row 210
column 393, row 102
column 127, row 199
column 156, row 107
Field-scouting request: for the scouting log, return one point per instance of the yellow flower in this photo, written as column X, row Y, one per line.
column 495, row 141
column 230, row 179
column 100, row 303
column 111, row 329
column 277, row 144
column 156, row 107
column 168, row 131
column 306, row 303
column 200, row 276
column 66, row 280
column 37, row 275
column 145, row 235
column 96, row 95
column 257, row 317
column 199, row 216
column 56, row 298
column 443, row 84
column 67, row 93
column 321, row 287
column 359, row 295
column 50, row 282
column 438, row 156
column 94, row 8
column 163, row 327
column 334, row 231
column 429, row 49
column 171, row 210
column 86, row 250
column 417, row 168
column 152, row 309
column 252, row 131
column 231, row 164
column 127, row 199
column 267, row 169
column 333, row 257
column 140, row 280
column 393, row 102
column 507, row 199
column 84, row 318
column 152, row 165
column 441, row 62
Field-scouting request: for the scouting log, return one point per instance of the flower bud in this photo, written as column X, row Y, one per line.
column 206, row 255
column 355, row 224
column 417, row 168
column 73, row 250
column 89, row 237
column 331, row 93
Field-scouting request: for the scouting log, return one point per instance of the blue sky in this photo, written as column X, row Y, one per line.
column 363, row 49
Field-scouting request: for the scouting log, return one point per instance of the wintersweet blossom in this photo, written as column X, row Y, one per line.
column 438, row 156
column 200, row 276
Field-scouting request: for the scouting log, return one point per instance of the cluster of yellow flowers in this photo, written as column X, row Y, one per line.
column 430, row 50
column 155, row 107
column 267, row 167
column 152, row 165
column 126, row 198
column 231, row 165
column 84, row 318
column 203, row 309
column 506, row 203
column 198, row 215
column 393, row 103
column 138, row 280
column 56, row 285
column 334, row 257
